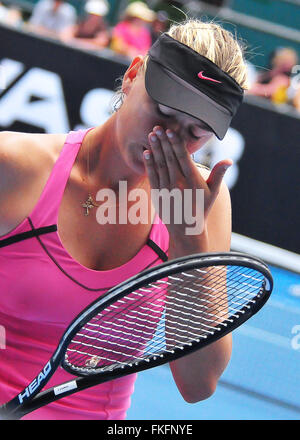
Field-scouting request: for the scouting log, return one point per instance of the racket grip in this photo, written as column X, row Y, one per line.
column 6, row 414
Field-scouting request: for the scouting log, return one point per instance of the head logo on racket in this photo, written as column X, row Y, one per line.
column 93, row 361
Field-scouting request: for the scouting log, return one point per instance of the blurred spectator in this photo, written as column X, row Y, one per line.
column 296, row 99
column 132, row 36
column 3, row 13
column 11, row 16
column 274, row 83
column 294, row 89
column 52, row 17
column 159, row 25
column 92, row 31
column 252, row 74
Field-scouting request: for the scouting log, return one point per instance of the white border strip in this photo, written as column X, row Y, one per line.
column 267, row 252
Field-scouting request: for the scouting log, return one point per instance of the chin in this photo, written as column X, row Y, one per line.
column 139, row 168
column 135, row 160
column 136, row 165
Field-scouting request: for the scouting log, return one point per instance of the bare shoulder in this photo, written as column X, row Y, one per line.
column 23, row 155
column 28, row 149
column 26, row 161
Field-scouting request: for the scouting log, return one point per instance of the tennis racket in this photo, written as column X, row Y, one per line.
column 155, row 317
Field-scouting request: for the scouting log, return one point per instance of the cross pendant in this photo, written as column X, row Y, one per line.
column 88, row 204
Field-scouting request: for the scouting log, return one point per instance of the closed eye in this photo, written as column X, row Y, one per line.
column 202, row 126
column 160, row 113
column 190, row 130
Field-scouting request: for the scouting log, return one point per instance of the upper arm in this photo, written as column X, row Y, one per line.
column 15, row 161
column 21, row 162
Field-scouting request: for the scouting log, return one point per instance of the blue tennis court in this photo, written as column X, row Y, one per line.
column 261, row 381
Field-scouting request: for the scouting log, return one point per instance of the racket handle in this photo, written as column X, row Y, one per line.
column 6, row 414
column 51, row 395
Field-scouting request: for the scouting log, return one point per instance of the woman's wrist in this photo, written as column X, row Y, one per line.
column 188, row 245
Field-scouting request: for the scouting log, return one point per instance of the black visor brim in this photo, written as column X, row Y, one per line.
column 168, row 89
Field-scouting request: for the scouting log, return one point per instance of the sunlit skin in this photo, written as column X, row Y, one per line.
column 117, row 151
column 170, row 165
column 140, row 116
column 129, row 134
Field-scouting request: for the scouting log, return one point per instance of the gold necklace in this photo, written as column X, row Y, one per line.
column 89, row 203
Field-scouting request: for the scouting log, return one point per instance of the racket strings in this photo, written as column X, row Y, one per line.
column 120, row 344
column 163, row 316
column 127, row 315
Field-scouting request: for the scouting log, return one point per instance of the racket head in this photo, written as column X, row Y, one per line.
column 128, row 356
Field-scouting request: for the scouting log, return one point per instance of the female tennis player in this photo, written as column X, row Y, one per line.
column 56, row 253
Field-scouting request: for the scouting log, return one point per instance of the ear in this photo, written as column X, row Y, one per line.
column 131, row 73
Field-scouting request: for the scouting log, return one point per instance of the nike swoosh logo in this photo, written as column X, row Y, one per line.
column 201, row 76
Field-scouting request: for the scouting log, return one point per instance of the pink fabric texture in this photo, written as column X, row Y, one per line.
column 139, row 39
column 43, row 288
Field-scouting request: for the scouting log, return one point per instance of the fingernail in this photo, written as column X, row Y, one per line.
column 147, row 155
column 170, row 134
column 153, row 138
column 159, row 132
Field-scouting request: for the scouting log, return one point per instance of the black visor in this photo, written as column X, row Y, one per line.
column 180, row 78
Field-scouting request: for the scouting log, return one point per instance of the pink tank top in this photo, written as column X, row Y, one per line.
column 43, row 288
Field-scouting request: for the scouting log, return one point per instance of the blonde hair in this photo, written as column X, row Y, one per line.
column 214, row 42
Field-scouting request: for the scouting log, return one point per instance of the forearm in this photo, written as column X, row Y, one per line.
column 196, row 375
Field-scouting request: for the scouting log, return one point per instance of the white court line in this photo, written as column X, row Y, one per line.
column 269, row 253
column 277, row 257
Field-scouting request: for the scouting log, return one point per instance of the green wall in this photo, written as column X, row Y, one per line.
column 281, row 12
